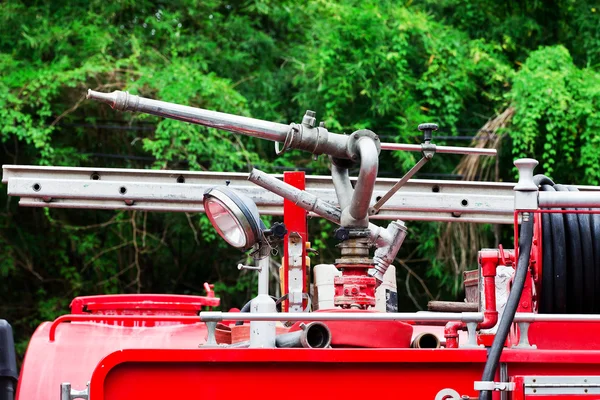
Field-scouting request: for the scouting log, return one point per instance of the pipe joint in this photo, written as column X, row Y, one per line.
column 352, row 147
column 385, row 255
column 451, row 333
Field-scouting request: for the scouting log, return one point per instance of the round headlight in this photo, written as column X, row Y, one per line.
column 234, row 216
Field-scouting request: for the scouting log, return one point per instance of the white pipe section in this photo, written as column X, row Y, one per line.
column 218, row 316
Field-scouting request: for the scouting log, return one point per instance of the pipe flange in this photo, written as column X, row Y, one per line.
column 354, row 262
column 351, row 148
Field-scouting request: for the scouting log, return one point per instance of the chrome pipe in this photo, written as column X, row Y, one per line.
column 369, row 163
column 124, row 101
column 301, row 198
column 314, row 335
column 304, row 136
column 569, row 199
column 218, row 316
column 342, row 185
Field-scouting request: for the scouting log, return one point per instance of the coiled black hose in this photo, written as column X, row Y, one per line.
column 571, row 260
column 570, row 270
column 491, row 364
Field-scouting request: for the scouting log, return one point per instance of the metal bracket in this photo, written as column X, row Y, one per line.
column 561, row 385
column 211, row 339
column 497, row 386
column 67, row 393
column 294, row 277
column 472, row 335
column 524, row 337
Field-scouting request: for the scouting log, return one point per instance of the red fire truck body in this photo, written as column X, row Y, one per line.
column 519, row 337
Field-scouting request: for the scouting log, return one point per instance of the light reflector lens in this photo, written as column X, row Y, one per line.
column 234, row 216
column 225, row 223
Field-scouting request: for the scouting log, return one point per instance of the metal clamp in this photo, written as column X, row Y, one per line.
column 67, row 393
column 289, row 139
column 497, row 386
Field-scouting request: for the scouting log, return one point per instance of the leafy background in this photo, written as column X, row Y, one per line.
column 383, row 65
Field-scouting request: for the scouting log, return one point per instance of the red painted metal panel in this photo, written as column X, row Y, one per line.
column 336, row 373
column 294, row 219
column 289, row 373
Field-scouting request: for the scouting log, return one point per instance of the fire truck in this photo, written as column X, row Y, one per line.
column 528, row 328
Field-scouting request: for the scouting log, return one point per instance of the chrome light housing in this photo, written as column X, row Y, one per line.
column 234, row 216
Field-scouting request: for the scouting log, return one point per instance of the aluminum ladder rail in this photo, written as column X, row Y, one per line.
column 182, row 191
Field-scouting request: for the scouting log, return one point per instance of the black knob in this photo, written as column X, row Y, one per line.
column 427, row 130
column 278, row 230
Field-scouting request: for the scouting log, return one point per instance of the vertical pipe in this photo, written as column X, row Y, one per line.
column 341, row 183
column 369, row 164
column 262, row 333
column 263, row 276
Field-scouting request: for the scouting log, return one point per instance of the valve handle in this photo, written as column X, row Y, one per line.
column 427, row 130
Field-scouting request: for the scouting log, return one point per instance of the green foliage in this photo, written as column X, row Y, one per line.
column 555, row 116
column 374, row 64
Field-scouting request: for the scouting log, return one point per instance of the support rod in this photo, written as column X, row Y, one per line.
column 399, row 184
column 440, row 149
column 218, row 316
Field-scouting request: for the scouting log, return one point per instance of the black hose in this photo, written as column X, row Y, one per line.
column 559, row 260
column 587, row 261
column 595, row 225
column 574, row 258
column 571, row 258
column 548, row 290
column 525, row 242
column 246, row 308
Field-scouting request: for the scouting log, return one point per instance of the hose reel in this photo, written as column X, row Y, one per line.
column 570, row 258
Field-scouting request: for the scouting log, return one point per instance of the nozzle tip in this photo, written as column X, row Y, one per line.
column 116, row 99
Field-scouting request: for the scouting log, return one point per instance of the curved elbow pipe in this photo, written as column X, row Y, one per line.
column 369, row 164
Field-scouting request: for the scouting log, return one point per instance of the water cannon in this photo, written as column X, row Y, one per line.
column 354, row 206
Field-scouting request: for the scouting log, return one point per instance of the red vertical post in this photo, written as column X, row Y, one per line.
column 294, row 219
